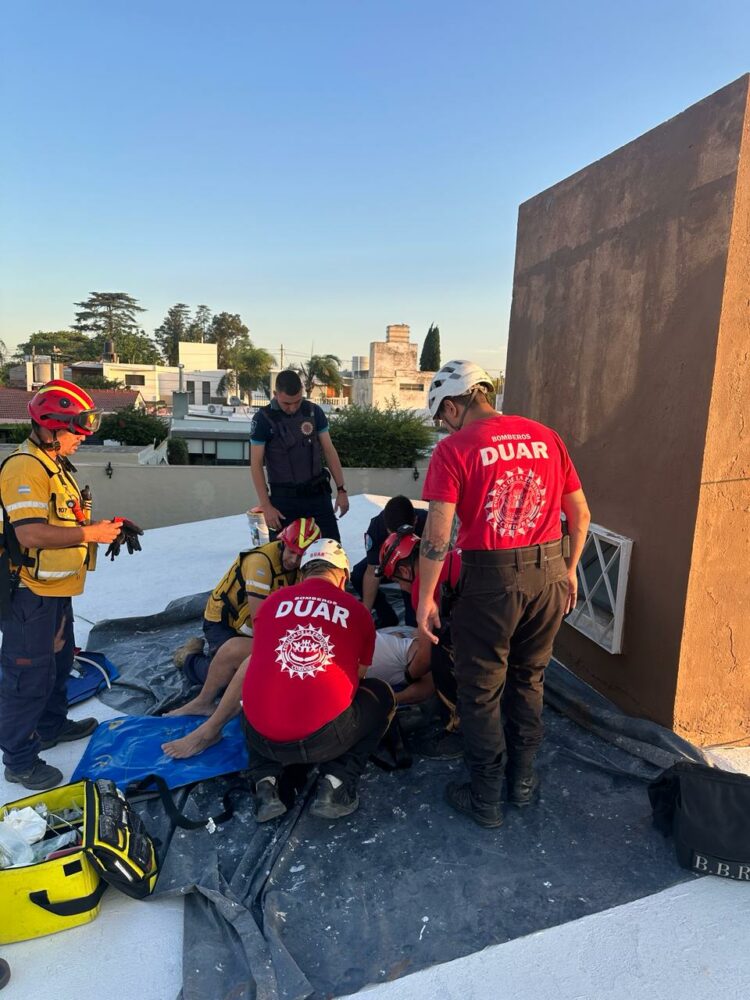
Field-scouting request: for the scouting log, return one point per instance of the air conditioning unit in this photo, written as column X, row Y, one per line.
column 211, row 408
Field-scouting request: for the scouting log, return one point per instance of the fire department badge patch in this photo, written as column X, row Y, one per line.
column 514, row 505
column 304, row 651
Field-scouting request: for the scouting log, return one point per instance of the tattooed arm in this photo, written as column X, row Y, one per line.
column 435, row 544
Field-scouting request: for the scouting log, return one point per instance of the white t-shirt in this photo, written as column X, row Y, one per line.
column 392, row 653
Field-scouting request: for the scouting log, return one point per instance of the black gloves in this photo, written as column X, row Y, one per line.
column 129, row 532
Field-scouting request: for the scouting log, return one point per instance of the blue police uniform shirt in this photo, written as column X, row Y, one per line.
column 377, row 533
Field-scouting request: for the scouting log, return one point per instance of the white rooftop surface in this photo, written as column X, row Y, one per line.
column 688, row 942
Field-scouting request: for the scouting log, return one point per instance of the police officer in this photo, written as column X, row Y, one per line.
column 45, row 557
column 508, row 479
column 291, row 437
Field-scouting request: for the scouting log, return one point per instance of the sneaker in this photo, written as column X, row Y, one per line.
column 188, row 648
column 522, row 788
column 487, row 814
column 71, row 731
column 445, row 746
column 268, row 805
column 331, row 802
column 37, row 778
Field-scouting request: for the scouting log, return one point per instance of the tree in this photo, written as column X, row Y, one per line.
column 177, row 452
column 131, row 426
column 135, row 348
column 429, row 359
column 200, row 326
column 174, row 328
column 63, row 345
column 14, row 433
column 5, row 365
column 368, row 437
column 109, row 313
column 249, row 367
column 228, row 332
column 321, row 368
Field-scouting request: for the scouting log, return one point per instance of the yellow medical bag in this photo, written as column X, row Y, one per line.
column 65, row 889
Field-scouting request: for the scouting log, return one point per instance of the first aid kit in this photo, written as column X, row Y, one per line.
column 92, row 838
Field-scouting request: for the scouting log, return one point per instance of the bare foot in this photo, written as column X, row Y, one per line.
column 194, row 743
column 198, row 706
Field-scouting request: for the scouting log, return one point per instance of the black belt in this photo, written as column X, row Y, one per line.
column 312, row 488
column 529, row 555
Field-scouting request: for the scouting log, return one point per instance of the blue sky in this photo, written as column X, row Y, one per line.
column 322, row 168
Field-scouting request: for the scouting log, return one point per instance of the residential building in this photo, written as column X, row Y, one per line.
column 391, row 374
column 197, row 367
column 14, row 404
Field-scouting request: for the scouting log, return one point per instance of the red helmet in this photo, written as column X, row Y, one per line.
column 299, row 534
column 63, row 406
column 398, row 551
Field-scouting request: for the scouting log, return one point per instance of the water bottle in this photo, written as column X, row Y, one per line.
column 258, row 527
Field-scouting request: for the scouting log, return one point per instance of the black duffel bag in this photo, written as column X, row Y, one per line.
column 707, row 811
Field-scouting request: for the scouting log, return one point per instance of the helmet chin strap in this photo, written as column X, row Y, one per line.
column 53, row 445
column 463, row 415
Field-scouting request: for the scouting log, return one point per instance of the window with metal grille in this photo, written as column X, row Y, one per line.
column 602, row 583
column 411, row 387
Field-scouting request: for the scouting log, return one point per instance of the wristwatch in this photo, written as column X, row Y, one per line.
column 341, row 489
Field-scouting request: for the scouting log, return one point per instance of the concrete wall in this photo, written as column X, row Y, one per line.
column 94, row 454
column 155, row 496
column 626, row 336
column 381, row 391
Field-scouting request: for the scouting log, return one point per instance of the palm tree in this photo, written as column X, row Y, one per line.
column 323, row 369
column 249, row 369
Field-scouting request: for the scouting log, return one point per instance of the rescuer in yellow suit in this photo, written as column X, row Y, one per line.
column 46, row 553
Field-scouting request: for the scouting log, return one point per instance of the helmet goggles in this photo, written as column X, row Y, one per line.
column 85, row 422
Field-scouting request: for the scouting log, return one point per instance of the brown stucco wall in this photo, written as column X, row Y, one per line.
column 713, row 690
column 617, row 306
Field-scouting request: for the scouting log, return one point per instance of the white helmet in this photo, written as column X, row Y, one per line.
column 454, row 379
column 326, row 550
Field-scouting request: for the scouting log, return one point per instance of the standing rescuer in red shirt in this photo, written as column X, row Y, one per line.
column 508, row 479
column 305, row 697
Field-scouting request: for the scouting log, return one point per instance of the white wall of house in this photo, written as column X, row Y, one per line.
column 158, row 382
column 198, row 357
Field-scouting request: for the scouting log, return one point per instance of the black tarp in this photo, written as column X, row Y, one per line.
column 302, row 907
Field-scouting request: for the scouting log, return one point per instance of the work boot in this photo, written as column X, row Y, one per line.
column 522, row 787
column 71, row 731
column 38, row 777
column 487, row 814
column 268, row 805
column 188, row 648
column 444, row 746
column 332, row 800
